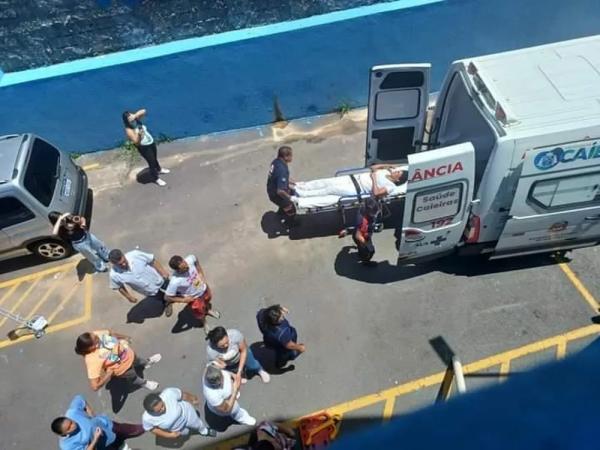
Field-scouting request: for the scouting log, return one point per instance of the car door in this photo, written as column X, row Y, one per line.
column 17, row 223
column 438, row 200
column 398, row 98
column 557, row 200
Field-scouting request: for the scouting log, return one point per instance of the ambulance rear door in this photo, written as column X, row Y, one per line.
column 398, row 98
column 438, row 200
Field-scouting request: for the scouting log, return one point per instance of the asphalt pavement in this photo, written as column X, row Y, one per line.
column 365, row 329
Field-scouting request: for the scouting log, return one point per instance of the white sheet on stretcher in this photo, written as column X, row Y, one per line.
column 324, row 201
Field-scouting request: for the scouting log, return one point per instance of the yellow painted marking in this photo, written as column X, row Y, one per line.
column 504, row 370
column 87, row 314
column 9, row 293
column 91, row 166
column 63, row 302
column 561, row 349
column 41, row 301
column 580, row 287
column 21, row 299
column 388, row 409
column 32, row 276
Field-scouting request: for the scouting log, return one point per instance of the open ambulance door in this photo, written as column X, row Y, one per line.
column 398, row 98
column 438, row 200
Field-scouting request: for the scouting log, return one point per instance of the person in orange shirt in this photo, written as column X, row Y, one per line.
column 109, row 355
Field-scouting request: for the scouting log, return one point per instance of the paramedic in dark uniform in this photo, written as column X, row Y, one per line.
column 279, row 187
column 365, row 224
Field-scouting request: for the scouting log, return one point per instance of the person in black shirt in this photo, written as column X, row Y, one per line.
column 279, row 186
column 73, row 229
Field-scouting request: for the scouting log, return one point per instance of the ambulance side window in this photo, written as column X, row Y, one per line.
column 437, row 204
column 565, row 192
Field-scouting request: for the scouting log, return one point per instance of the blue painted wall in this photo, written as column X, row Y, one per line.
column 312, row 70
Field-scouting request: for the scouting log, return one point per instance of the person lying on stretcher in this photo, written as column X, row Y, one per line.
column 382, row 180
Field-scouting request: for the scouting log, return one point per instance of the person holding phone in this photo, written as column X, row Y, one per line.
column 138, row 134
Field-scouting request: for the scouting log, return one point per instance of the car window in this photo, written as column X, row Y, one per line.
column 564, row 192
column 42, row 171
column 13, row 212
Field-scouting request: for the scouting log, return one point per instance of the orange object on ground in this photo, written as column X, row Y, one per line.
column 317, row 431
column 201, row 305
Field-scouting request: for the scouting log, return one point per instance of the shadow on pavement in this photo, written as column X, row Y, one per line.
column 347, row 265
column 308, row 226
column 148, row 308
column 267, row 358
column 84, row 267
column 186, row 321
column 21, row 262
column 119, row 391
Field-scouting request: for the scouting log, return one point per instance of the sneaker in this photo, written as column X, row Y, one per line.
column 164, row 171
column 160, row 182
column 264, row 376
column 151, row 385
column 209, row 433
column 169, row 310
column 214, row 313
column 153, row 360
column 244, row 380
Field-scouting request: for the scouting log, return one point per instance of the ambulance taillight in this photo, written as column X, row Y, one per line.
column 472, row 230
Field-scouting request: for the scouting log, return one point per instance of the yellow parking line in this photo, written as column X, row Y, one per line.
column 21, row 299
column 41, row 301
column 504, row 369
column 31, row 276
column 9, row 293
column 63, row 325
column 91, row 166
column 388, row 409
column 62, row 304
column 580, row 287
column 561, row 349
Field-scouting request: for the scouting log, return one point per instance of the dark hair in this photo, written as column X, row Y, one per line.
column 175, row 261
column 403, row 178
column 151, row 401
column 57, row 425
column 115, row 255
column 370, row 207
column 53, row 216
column 284, row 151
column 126, row 121
column 84, row 343
column 215, row 335
column 263, row 445
column 273, row 314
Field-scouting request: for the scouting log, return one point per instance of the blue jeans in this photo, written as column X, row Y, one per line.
column 283, row 355
column 94, row 250
column 251, row 368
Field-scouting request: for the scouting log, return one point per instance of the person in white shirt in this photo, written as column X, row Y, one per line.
column 227, row 349
column 138, row 135
column 221, row 389
column 171, row 414
column 141, row 272
column 382, row 180
column 188, row 285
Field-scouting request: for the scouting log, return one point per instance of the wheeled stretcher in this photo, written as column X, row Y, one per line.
column 348, row 205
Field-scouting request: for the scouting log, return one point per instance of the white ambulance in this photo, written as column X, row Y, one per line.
column 504, row 161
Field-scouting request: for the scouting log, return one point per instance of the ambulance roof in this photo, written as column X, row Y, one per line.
column 546, row 86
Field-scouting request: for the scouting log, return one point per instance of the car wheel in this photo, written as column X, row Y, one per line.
column 51, row 250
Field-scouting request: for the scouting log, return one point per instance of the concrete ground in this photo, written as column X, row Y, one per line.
column 365, row 329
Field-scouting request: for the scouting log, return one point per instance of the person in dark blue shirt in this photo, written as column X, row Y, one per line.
column 278, row 334
column 279, row 186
